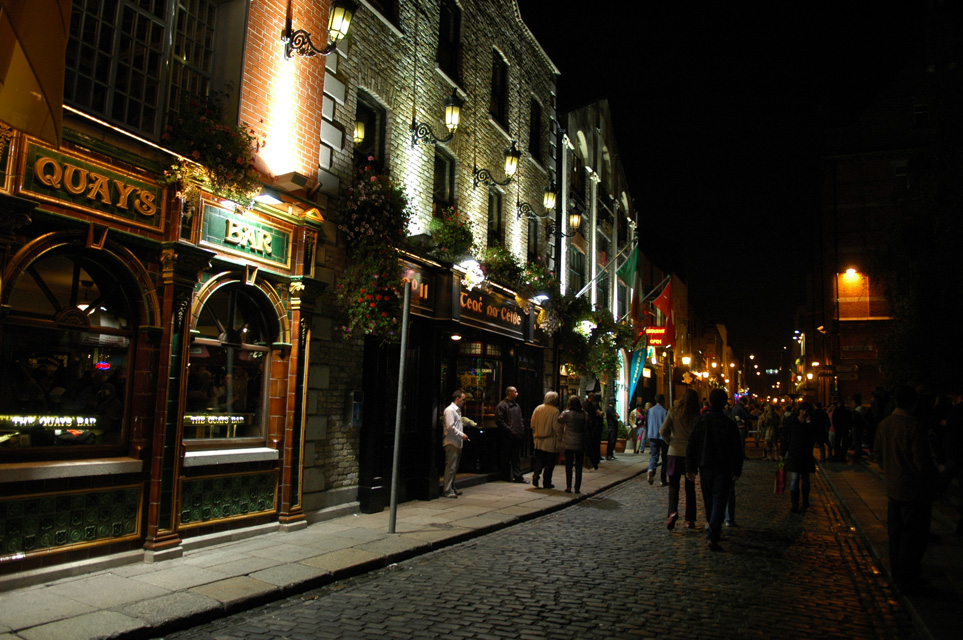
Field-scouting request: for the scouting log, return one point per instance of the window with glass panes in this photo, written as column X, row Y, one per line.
column 532, row 240
column 496, row 231
column 133, row 61
column 576, row 269
column 498, row 103
column 443, row 192
column 535, row 131
column 449, row 38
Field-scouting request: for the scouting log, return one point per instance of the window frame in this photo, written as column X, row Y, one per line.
column 448, row 55
column 378, row 149
column 498, row 99
column 438, row 203
column 535, row 131
column 496, row 217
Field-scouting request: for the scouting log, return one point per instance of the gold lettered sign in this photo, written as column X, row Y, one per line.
column 491, row 311
column 245, row 236
column 71, row 180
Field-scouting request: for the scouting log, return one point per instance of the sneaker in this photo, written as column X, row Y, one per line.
column 670, row 525
column 664, row 484
column 689, row 524
column 457, row 492
column 651, row 477
column 451, row 495
column 731, row 523
column 713, row 546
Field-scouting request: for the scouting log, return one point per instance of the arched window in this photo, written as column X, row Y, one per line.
column 227, row 368
column 65, row 354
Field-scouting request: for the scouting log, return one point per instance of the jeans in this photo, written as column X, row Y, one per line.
column 715, row 491
column 690, row 499
column 576, row 459
column 795, row 479
column 908, row 524
column 731, row 502
column 658, row 448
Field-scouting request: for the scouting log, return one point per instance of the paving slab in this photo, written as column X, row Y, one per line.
column 32, row 607
column 289, row 575
column 286, row 553
column 91, row 626
column 243, row 565
column 107, row 591
column 342, row 560
column 179, row 577
column 234, row 591
column 183, row 607
column 392, row 545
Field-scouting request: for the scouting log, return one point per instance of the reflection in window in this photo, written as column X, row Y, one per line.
column 227, row 368
column 64, row 354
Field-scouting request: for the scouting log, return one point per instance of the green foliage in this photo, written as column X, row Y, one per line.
column 452, row 236
column 499, row 265
column 374, row 221
column 225, row 152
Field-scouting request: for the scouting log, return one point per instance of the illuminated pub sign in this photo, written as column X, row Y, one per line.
column 490, row 311
column 68, row 179
column 245, row 236
column 655, row 336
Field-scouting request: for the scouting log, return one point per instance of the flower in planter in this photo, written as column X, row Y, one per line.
column 374, row 211
column 224, row 153
column 451, row 235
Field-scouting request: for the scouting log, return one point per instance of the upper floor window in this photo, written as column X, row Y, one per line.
column 535, row 131
column 449, row 39
column 443, row 194
column 387, row 8
column 496, row 230
column 576, row 269
column 132, row 62
column 578, row 175
column 370, row 127
column 498, row 105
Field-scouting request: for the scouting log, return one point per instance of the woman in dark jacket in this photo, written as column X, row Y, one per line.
column 799, row 437
column 573, row 422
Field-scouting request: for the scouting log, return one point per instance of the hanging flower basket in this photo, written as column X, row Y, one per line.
column 451, row 235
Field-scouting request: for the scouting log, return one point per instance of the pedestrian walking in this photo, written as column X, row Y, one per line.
column 637, row 420
column 820, row 420
column 657, row 446
column 612, row 422
column 715, row 452
column 675, row 430
column 508, row 417
column 910, row 473
column 769, row 424
column 454, row 440
column 797, row 450
column 593, row 430
column 547, row 434
column 573, row 421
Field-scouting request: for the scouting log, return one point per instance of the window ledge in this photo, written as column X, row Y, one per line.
column 501, row 128
column 455, row 86
column 28, row 471
column 229, row 456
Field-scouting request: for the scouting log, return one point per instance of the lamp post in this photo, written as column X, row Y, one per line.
column 299, row 42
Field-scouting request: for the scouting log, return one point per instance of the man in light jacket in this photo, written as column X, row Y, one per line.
column 547, row 434
column 454, row 440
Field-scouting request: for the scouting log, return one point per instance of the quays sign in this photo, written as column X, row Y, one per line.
column 70, row 180
column 491, row 311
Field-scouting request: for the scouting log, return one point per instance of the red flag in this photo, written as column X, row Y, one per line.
column 664, row 304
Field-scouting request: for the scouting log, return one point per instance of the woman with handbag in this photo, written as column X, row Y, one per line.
column 675, row 430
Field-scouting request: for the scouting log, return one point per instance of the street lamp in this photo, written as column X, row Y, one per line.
column 484, row 176
column 421, row 132
column 299, row 42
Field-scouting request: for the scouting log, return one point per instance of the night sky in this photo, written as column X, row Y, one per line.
column 718, row 114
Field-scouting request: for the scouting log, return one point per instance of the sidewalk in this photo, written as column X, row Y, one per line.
column 859, row 488
column 141, row 600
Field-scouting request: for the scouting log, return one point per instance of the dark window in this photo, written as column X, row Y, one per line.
column 578, row 175
column 443, row 194
column 67, row 345
column 498, row 106
column 603, row 297
column 387, row 8
column 576, row 270
column 371, row 116
column 535, row 131
column 623, row 301
column 496, row 232
column 135, row 62
column 449, row 39
column 532, row 240
column 228, row 368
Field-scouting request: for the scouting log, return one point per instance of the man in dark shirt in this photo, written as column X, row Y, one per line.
column 612, row 421
column 714, row 449
column 508, row 417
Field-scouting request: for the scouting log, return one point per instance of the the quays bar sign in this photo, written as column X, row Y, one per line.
column 489, row 310
column 245, row 236
column 64, row 178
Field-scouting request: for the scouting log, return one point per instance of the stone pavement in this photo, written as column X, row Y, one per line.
column 141, row 600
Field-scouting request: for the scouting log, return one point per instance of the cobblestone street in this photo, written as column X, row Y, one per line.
column 608, row 568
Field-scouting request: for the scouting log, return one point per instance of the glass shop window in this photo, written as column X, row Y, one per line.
column 228, row 370
column 481, row 380
column 65, row 352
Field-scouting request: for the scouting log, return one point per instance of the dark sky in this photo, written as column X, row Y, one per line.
column 718, row 113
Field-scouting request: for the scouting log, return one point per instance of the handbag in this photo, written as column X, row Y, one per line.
column 779, row 485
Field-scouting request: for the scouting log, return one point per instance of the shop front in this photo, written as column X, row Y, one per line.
column 153, row 356
column 478, row 341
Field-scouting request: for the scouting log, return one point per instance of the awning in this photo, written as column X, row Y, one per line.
column 33, row 46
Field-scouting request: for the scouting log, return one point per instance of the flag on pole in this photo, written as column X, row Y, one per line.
column 629, row 267
column 664, row 304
